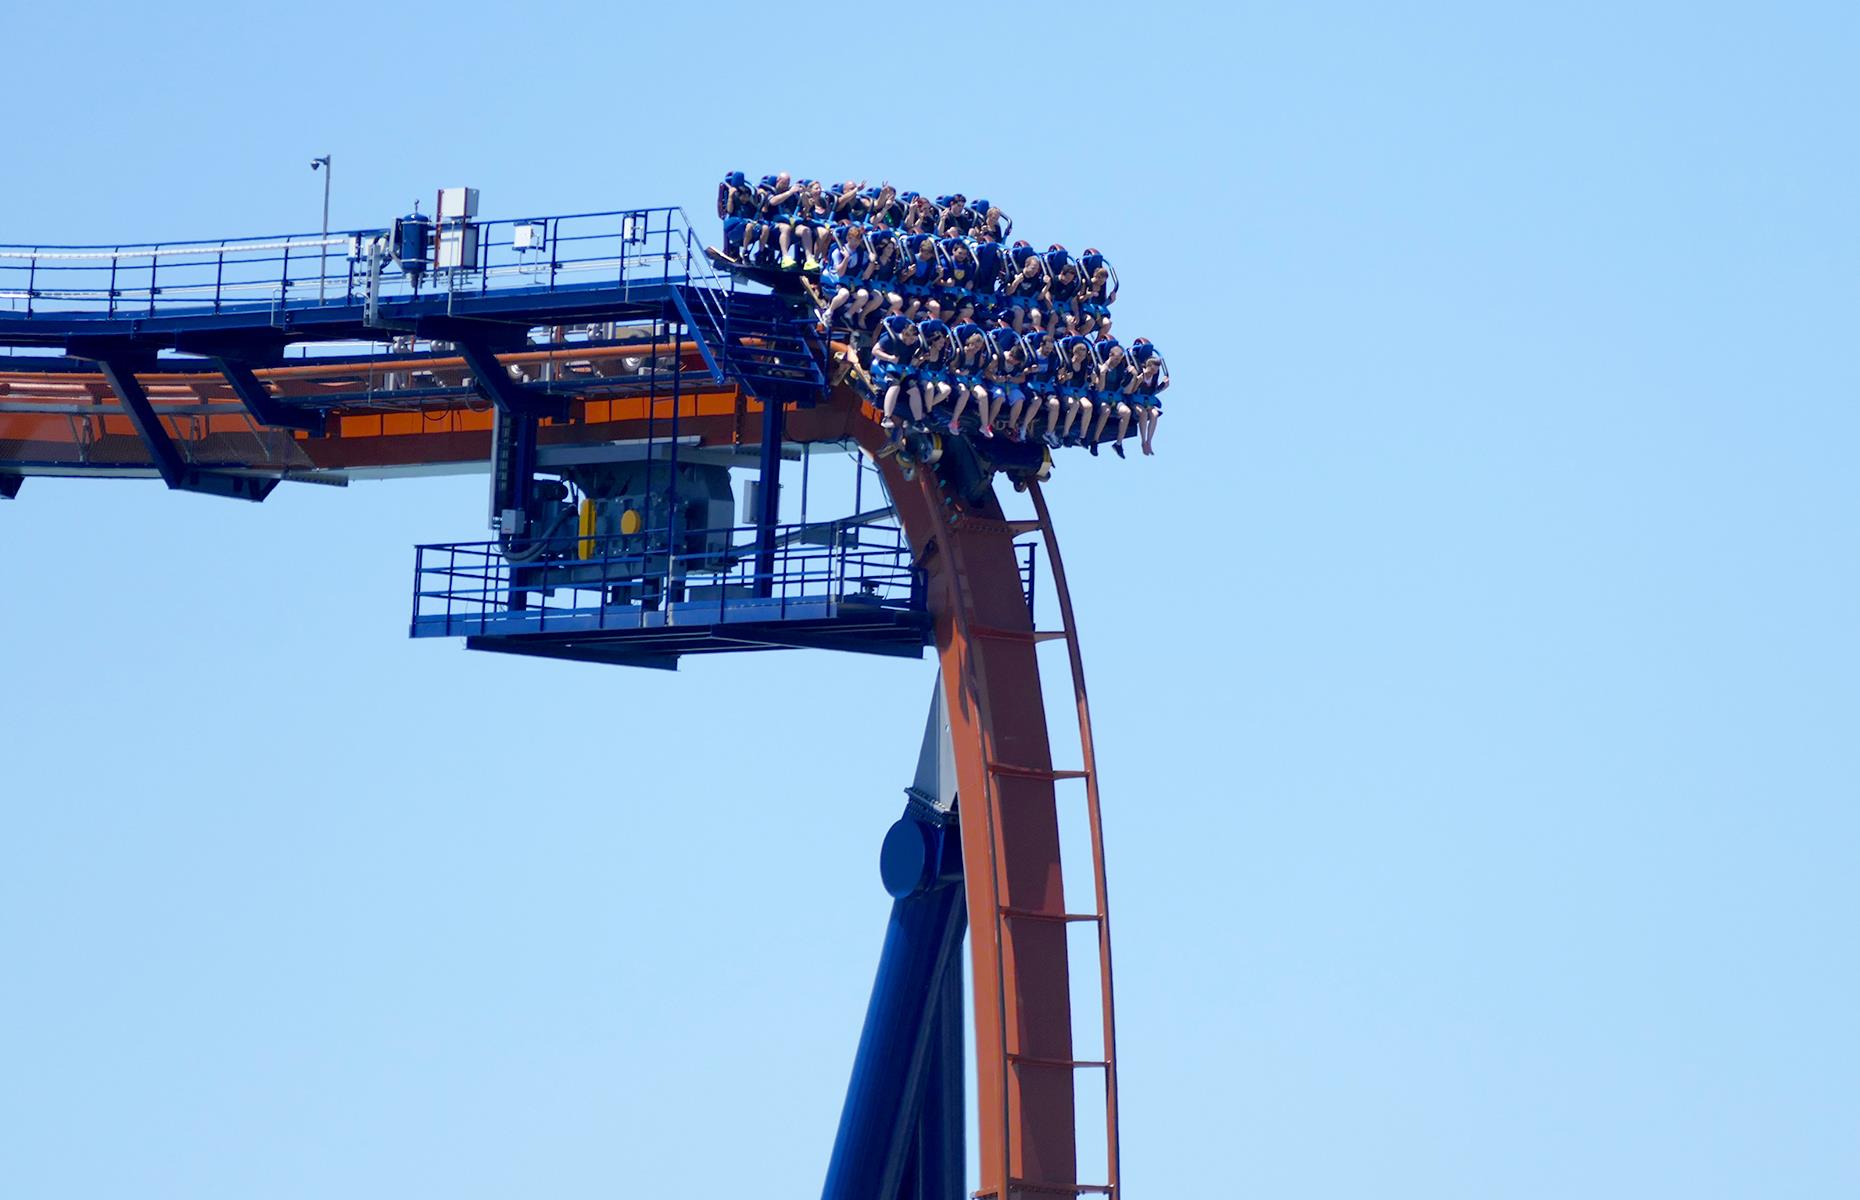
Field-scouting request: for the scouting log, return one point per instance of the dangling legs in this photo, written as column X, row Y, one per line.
column 962, row 402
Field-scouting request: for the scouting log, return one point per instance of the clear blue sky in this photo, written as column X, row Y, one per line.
column 1475, row 667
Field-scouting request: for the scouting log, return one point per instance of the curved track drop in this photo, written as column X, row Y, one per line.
column 987, row 644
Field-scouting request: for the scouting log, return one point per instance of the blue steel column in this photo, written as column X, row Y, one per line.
column 901, row 1130
column 769, row 516
column 938, row 1164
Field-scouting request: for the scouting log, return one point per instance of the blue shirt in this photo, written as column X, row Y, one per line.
column 849, row 262
column 904, row 352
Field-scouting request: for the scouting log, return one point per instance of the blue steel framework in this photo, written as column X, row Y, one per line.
column 232, row 308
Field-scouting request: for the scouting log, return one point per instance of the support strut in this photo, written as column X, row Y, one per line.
column 901, row 1130
column 513, row 434
column 768, row 515
column 169, row 462
column 263, row 406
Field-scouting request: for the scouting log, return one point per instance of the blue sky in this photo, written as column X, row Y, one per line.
column 1475, row 668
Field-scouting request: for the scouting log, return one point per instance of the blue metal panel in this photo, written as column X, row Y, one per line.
column 896, row 1129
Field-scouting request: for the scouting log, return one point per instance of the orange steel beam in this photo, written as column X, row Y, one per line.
column 447, row 430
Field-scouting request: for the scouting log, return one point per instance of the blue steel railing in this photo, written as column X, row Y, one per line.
column 624, row 247
column 472, row 588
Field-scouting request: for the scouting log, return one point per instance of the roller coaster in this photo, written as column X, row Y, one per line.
column 613, row 382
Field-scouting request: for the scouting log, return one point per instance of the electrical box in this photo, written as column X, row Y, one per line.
column 458, row 247
column 458, row 203
column 529, row 235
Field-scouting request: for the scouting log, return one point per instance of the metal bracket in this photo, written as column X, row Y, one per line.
column 932, row 794
column 263, row 406
column 9, row 486
column 494, row 383
column 170, row 463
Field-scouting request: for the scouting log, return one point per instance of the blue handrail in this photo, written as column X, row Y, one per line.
column 622, row 247
column 626, row 582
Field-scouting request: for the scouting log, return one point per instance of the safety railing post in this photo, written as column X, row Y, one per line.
column 115, row 257
column 219, row 277
column 154, row 264
column 32, row 278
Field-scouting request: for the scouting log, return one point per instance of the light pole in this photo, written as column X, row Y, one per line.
column 322, row 266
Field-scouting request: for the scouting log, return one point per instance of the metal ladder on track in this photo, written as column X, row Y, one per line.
column 1099, row 914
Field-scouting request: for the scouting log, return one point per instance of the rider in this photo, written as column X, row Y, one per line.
column 1007, row 377
column 974, row 353
column 1060, row 297
column 1042, row 371
column 1021, row 294
column 848, row 272
column 933, row 362
column 1145, row 389
column 1114, row 376
column 918, row 275
column 736, row 208
column 894, row 357
column 1077, row 375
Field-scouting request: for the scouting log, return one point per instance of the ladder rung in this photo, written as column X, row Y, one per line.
column 1034, row 914
column 1016, row 635
column 1046, row 774
column 1066, row 1064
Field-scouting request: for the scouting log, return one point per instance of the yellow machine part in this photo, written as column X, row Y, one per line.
column 584, row 547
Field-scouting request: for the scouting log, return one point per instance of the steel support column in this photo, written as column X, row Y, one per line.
column 901, row 1130
column 768, row 515
column 513, row 435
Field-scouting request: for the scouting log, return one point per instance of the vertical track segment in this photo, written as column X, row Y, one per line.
column 1025, row 1068
column 1089, row 758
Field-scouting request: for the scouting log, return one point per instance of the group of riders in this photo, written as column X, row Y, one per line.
column 973, row 332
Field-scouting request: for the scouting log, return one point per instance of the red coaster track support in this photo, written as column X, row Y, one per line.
column 1025, row 1068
